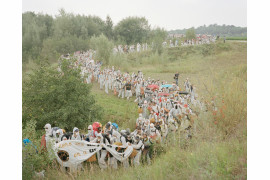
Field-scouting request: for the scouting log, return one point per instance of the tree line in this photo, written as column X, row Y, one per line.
column 214, row 29
column 47, row 37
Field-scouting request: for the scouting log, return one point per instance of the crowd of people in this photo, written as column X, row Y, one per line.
column 163, row 108
column 166, row 44
column 198, row 41
column 130, row 48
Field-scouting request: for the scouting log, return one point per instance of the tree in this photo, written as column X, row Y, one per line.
column 109, row 27
column 61, row 99
column 158, row 35
column 53, row 47
column 133, row 30
column 102, row 46
column 84, row 32
column 190, row 34
column 35, row 29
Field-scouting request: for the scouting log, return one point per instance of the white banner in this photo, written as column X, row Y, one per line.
column 119, row 156
column 71, row 153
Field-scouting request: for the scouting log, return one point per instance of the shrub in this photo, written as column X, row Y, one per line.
column 60, row 99
column 32, row 158
column 103, row 47
column 207, row 49
column 158, row 36
column 53, row 47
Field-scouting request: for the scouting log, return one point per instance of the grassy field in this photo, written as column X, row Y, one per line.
column 218, row 149
column 236, row 38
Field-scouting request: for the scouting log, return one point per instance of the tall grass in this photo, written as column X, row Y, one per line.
column 218, row 149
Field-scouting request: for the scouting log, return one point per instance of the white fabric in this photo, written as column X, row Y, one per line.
column 119, row 156
column 80, row 151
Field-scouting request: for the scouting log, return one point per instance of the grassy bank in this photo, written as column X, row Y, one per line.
column 237, row 38
column 218, row 149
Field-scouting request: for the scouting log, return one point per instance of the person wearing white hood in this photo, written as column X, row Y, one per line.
column 59, row 135
column 164, row 130
column 76, row 134
column 48, row 130
column 49, row 140
column 172, row 125
column 154, row 133
column 139, row 121
column 90, row 135
column 112, row 160
column 175, row 111
column 138, row 145
column 138, row 89
column 145, row 110
column 106, row 84
column 101, row 80
column 168, row 104
column 103, row 152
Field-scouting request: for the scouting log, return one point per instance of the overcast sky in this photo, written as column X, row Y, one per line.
column 169, row 14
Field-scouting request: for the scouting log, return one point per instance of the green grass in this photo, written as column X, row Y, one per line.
column 236, row 38
column 201, row 160
column 118, row 110
column 216, row 151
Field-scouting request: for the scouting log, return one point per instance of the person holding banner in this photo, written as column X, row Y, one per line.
column 138, row 146
column 76, row 134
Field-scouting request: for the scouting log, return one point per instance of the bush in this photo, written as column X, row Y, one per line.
column 60, row 99
column 102, row 46
column 158, row 36
column 207, row 49
column 32, row 158
column 53, row 47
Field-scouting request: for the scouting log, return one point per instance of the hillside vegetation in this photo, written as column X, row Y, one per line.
column 218, row 149
column 218, row 30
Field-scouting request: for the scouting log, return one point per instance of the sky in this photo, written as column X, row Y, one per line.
column 169, row 14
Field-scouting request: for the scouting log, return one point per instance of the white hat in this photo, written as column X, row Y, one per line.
column 48, row 126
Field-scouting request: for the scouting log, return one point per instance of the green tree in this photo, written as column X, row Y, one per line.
column 190, row 34
column 60, row 99
column 53, row 47
column 132, row 30
column 102, row 46
column 35, row 29
column 84, row 32
column 109, row 27
column 158, row 35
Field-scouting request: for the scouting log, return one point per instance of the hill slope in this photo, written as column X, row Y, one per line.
column 218, row 149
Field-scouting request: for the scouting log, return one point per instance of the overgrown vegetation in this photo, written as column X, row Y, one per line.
column 58, row 98
column 218, row 30
column 190, row 34
column 33, row 158
column 46, row 37
column 218, row 149
column 103, row 47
